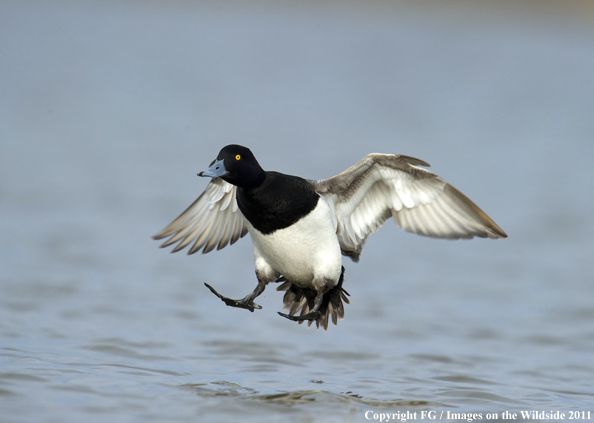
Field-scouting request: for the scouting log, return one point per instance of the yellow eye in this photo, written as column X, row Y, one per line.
column 237, row 157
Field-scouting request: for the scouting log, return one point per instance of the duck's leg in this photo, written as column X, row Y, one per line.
column 246, row 302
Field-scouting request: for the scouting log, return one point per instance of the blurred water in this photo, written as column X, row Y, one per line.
column 109, row 109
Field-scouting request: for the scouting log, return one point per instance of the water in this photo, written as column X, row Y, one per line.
column 109, row 109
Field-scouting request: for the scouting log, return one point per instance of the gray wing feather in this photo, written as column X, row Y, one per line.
column 381, row 186
column 212, row 221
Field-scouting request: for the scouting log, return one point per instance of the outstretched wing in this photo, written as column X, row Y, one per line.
column 381, row 186
column 213, row 220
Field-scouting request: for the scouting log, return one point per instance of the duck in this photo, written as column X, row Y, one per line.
column 301, row 228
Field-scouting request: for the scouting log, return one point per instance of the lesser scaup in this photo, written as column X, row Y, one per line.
column 300, row 227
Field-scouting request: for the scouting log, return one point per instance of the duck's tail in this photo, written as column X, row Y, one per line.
column 301, row 300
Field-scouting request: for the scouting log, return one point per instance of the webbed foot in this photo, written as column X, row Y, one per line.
column 246, row 302
column 314, row 315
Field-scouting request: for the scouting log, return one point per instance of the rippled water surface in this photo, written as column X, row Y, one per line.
column 108, row 111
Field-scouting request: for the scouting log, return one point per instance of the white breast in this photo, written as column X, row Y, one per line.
column 306, row 253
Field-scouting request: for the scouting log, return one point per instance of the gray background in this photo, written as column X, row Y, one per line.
column 109, row 109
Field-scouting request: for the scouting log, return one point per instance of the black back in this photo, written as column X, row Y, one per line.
column 278, row 202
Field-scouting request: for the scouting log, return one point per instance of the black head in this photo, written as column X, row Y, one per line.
column 238, row 166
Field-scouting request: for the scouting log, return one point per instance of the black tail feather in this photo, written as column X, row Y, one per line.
column 301, row 300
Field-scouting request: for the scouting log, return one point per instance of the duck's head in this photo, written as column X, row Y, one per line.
column 238, row 166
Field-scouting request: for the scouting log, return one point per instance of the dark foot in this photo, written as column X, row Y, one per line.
column 309, row 316
column 247, row 302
